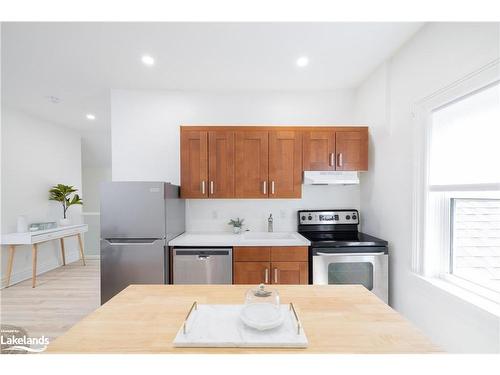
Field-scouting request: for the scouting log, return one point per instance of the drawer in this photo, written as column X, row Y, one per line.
column 54, row 235
column 289, row 254
column 252, row 254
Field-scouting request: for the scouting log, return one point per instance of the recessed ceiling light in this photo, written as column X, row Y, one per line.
column 302, row 61
column 148, row 60
column 90, row 116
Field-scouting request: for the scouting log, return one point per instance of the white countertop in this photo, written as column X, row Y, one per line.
column 244, row 239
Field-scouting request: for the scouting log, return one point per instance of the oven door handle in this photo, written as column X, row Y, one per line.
column 351, row 254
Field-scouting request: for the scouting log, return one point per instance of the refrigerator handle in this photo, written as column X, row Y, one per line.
column 125, row 241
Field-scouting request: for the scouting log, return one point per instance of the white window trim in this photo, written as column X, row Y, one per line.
column 422, row 111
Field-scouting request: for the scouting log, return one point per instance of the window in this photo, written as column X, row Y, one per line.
column 475, row 250
column 459, row 226
column 465, row 138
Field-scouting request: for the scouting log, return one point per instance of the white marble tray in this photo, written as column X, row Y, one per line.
column 220, row 326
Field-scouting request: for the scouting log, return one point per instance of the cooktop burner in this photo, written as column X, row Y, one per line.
column 329, row 239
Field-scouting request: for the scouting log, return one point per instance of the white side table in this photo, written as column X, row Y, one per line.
column 34, row 238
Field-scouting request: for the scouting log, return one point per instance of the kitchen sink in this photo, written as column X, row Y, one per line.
column 269, row 236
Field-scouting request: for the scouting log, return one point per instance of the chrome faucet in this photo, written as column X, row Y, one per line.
column 270, row 223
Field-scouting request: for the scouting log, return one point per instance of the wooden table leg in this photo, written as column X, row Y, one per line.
column 34, row 251
column 62, row 251
column 12, row 249
column 81, row 247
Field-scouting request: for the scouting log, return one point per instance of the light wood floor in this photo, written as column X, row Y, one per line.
column 61, row 298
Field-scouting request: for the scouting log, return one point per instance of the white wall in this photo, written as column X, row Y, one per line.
column 213, row 215
column 91, row 180
column 438, row 55
column 36, row 155
column 145, row 144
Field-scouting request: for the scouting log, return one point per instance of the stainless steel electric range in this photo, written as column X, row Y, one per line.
column 340, row 254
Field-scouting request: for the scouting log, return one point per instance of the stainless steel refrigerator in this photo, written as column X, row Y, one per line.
column 137, row 221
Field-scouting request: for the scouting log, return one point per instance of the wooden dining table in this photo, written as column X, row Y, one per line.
column 335, row 318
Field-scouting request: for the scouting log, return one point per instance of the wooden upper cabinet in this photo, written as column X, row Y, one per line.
column 221, row 160
column 264, row 162
column 352, row 149
column 194, row 164
column 285, row 164
column 251, row 149
column 319, row 150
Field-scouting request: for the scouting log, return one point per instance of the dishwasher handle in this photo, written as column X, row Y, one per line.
column 201, row 253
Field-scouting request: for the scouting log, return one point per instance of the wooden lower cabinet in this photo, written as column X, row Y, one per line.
column 289, row 273
column 270, row 265
column 251, row 272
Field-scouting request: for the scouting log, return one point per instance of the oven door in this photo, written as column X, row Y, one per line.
column 339, row 266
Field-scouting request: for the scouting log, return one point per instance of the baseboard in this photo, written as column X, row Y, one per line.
column 26, row 273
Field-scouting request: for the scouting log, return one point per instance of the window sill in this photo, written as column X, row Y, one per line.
column 464, row 294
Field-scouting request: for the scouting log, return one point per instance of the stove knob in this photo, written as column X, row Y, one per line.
column 303, row 217
column 354, row 217
column 348, row 217
column 310, row 217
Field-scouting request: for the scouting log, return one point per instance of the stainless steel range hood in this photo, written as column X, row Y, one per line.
column 331, row 178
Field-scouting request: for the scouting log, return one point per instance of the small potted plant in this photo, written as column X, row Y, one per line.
column 237, row 224
column 62, row 193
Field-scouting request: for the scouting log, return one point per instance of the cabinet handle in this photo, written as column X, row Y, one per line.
column 203, row 187
column 211, row 187
column 266, row 276
column 265, row 187
column 276, row 275
column 272, row 187
column 332, row 158
column 340, row 159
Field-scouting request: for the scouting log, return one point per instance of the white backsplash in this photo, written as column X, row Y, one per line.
column 213, row 214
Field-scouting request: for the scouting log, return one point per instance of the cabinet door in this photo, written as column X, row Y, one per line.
column 251, row 164
column 221, row 164
column 285, row 164
column 319, row 150
column 194, row 164
column 251, row 272
column 289, row 273
column 352, row 150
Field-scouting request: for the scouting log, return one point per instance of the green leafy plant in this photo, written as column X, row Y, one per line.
column 62, row 193
column 238, row 223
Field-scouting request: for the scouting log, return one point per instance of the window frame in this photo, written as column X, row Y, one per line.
column 437, row 264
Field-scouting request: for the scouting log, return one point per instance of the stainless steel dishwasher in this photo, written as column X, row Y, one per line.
column 203, row 265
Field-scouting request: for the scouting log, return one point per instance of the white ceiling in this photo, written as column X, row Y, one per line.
column 81, row 62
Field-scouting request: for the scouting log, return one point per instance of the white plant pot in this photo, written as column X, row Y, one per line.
column 236, row 230
column 64, row 222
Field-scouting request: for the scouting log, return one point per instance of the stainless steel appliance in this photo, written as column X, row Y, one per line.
column 203, row 266
column 340, row 254
column 137, row 221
